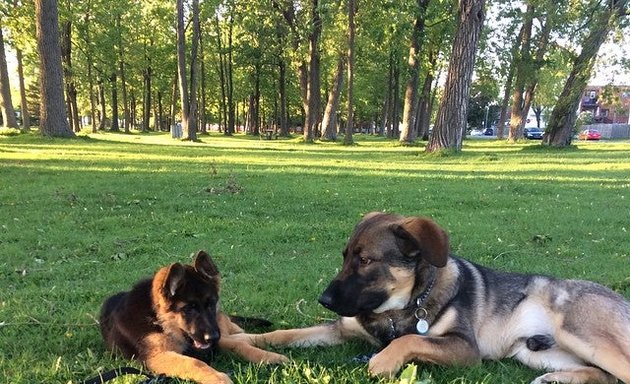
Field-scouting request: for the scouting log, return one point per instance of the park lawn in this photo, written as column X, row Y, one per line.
column 81, row 219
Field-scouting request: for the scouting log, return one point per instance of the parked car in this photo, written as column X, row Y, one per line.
column 488, row 132
column 533, row 133
column 590, row 134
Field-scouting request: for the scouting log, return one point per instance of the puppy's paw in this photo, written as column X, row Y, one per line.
column 219, row 378
column 384, row 364
column 247, row 338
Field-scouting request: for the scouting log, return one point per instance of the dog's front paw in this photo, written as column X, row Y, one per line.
column 275, row 358
column 384, row 364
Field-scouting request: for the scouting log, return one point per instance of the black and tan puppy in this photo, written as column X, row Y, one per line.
column 162, row 320
column 399, row 288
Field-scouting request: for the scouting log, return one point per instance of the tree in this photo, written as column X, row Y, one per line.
column 188, row 85
column 71, row 89
column 451, row 118
column 26, row 114
column 6, row 104
column 529, row 63
column 329, row 121
column 411, row 91
column 559, row 131
column 352, row 9
column 53, row 121
column 313, row 91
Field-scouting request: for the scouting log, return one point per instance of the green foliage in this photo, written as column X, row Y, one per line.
column 584, row 118
column 83, row 219
column 9, row 131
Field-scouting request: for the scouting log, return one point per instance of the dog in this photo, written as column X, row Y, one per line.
column 168, row 321
column 400, row 288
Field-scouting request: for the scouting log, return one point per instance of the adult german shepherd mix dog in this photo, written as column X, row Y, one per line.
column 399, row 288
column 174, row 314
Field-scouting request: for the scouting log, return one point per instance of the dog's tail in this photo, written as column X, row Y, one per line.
column 251, row 322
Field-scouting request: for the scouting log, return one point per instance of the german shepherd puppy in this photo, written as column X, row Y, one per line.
column 164, row 320
column 401, row 289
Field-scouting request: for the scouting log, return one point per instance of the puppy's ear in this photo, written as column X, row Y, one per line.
column 370, row 215
column 174, row 277
column 205, row 266
column 421, row 237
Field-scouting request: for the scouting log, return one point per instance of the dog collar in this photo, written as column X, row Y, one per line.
column 420, row 313
column 422, row 326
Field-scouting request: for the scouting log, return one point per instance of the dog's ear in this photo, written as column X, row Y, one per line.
column 174, row 277
column 421, row 237
column 205, row 266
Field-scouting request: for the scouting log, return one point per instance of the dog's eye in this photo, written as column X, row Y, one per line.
column 364, row 260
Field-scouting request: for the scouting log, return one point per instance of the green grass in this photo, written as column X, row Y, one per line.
column 82, row 219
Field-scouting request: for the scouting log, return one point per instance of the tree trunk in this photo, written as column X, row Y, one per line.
column 222, row 79
column 103, row 107
column 123, row 88
column 523, row 62
column 508, row 86
column 6, row 104
column 386, row 103
column 53, row 119
column 159, row 120
column 113, row 80
column 71, row 90
column 146, row 99
column 26, row 114
column 181, row 66
column 352, row 9
column 313, row 89
column 425, row 105
column 90, row 66
column 395, row 110
column 282, row 90
column 133, row 108
column 329, row 130
column 173, row 109
column 532, row 74
column 202, row 89
column 451, row 118
column 559, row 131
column 187, row 86
column 193, row 115
column 231, row 103
column 408, row 134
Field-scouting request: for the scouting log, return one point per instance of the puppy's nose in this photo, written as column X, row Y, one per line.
column 212, row 337
column 326, row 300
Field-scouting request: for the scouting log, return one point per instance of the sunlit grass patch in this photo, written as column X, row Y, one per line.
column 81, row 219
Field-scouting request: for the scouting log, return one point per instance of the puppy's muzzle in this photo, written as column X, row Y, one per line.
column 326, row 300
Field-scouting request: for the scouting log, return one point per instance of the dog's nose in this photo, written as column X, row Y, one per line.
column 326, row 300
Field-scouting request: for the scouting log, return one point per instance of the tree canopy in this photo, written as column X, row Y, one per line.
column 273, row 64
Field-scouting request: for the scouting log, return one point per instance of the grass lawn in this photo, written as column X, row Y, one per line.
column 82, row 219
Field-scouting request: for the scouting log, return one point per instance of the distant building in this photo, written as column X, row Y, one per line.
column 608, row 104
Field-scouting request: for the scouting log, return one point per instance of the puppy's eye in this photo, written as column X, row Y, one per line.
column 192, row 307
column 364, row 260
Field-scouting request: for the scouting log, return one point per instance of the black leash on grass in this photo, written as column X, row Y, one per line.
column 114, row 373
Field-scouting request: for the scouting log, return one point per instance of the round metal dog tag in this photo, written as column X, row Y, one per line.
column 422, row 326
